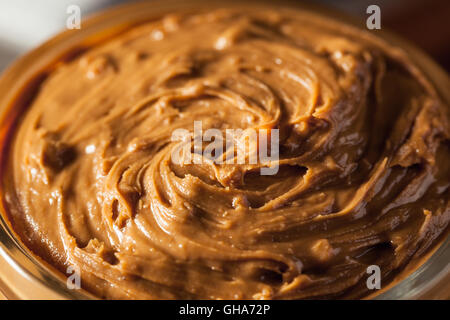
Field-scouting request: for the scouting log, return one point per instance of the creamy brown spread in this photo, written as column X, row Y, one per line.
column 363, row 173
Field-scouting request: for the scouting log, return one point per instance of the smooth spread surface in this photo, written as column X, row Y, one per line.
column 364, row 160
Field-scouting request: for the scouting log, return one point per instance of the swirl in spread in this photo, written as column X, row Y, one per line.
column 363, row 173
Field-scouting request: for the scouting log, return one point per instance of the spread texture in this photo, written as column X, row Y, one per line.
column 363, row 169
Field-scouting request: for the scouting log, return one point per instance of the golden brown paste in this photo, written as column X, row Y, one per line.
column 363, row 173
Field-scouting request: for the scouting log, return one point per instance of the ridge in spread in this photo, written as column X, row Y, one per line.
column 363, row 173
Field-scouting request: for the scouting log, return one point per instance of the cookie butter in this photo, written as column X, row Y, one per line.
column 364, row 160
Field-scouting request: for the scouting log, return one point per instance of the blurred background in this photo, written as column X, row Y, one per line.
column 25, row 24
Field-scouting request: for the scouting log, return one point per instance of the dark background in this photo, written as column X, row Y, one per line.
column 426, row 23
